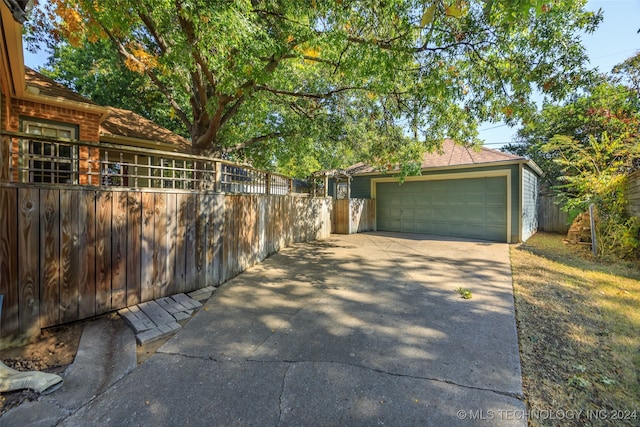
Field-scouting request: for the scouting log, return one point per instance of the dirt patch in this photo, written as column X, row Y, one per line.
column 52, row 352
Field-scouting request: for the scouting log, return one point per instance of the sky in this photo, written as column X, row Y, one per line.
column 615, row 40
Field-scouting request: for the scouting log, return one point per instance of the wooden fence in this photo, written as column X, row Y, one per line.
column 72, row 253
column 354, row 215
column 632, row 192
column 551, row 217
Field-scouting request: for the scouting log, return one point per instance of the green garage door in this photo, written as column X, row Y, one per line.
column 471, row 207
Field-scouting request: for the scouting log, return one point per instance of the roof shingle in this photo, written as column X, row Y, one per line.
column 450, row 155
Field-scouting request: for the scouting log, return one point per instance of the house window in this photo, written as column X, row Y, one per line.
column 51, row 161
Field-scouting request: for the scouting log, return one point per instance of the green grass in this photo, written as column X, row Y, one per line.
column 579, row 332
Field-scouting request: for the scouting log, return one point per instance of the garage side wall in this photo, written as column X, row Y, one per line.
column 530, row 187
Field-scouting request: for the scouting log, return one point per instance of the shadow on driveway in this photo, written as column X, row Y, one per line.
column 364, row 329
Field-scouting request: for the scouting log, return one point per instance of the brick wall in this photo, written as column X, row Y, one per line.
column 88, row 123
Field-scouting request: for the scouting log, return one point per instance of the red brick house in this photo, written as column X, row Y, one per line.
column 33, row 104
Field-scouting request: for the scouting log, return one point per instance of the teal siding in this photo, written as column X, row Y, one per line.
column 361, row 187
column 529, row 203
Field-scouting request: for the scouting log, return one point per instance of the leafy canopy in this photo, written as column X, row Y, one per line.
column 296, row 84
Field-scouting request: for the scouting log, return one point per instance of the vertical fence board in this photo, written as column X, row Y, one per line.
column 69, row 206
column 9, row 323
column 134, row 238
column 190, row 242
column 172, row 240
column 119, row 250
column 551, row 217
column 86, row 254
column 160, row 245
column 184, row 236
column 632, row 193
column 147, row 248
column 198, row 236
column 103, row 250
column 205, row 236
column 28, row 267
column 50, row 257
column 215, row 242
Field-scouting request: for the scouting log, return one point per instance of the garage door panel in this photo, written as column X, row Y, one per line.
column 471, row 207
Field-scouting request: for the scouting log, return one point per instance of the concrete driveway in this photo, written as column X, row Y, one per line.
column 355, row 330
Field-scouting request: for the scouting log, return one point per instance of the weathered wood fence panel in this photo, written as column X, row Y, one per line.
column 551, row 217
column 632, row 192
column 354, row 216
column 70, row 254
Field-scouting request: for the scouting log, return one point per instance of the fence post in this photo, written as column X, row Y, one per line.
column 218, row 177
column 268, row 184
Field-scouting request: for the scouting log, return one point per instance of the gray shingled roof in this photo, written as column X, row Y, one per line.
column 450, row 155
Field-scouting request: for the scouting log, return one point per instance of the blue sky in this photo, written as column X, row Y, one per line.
column 615, row 40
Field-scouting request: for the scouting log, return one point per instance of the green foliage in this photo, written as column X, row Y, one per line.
column 606, row 108
column 94, row 72
column 290, row 84
column 587, row 147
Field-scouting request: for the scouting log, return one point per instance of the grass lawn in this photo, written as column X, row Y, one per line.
column 578, row 324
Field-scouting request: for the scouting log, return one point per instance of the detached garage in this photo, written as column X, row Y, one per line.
column 486, row 194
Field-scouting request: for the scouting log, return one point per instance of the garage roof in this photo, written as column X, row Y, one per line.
column 452, row 155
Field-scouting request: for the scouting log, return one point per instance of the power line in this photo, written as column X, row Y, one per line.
column 494, row 127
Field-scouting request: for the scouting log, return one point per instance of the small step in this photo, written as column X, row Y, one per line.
column 152, row 320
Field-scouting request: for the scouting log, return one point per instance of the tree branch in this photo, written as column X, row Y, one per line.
column 255, row 139
column 122, row 50
column 307, row 95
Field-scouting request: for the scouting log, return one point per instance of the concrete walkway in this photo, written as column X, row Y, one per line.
column 357, row 330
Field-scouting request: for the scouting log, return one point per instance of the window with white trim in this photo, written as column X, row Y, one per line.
column 53, row 161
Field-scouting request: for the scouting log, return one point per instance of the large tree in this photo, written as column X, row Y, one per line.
column 275, row 81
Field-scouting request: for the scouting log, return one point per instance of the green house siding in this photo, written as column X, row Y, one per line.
column 529, row 203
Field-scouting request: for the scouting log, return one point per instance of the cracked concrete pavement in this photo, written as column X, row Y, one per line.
column 354, row 330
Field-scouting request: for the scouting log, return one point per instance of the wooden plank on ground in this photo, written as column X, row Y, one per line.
column 103, row 251
column 9, row 322
column 147, row 248
column 68, row 259
column 28, row 267
column 49, row 257
column 119, row 250
column 86, row 254
column 134, row 236
column 157, row 314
